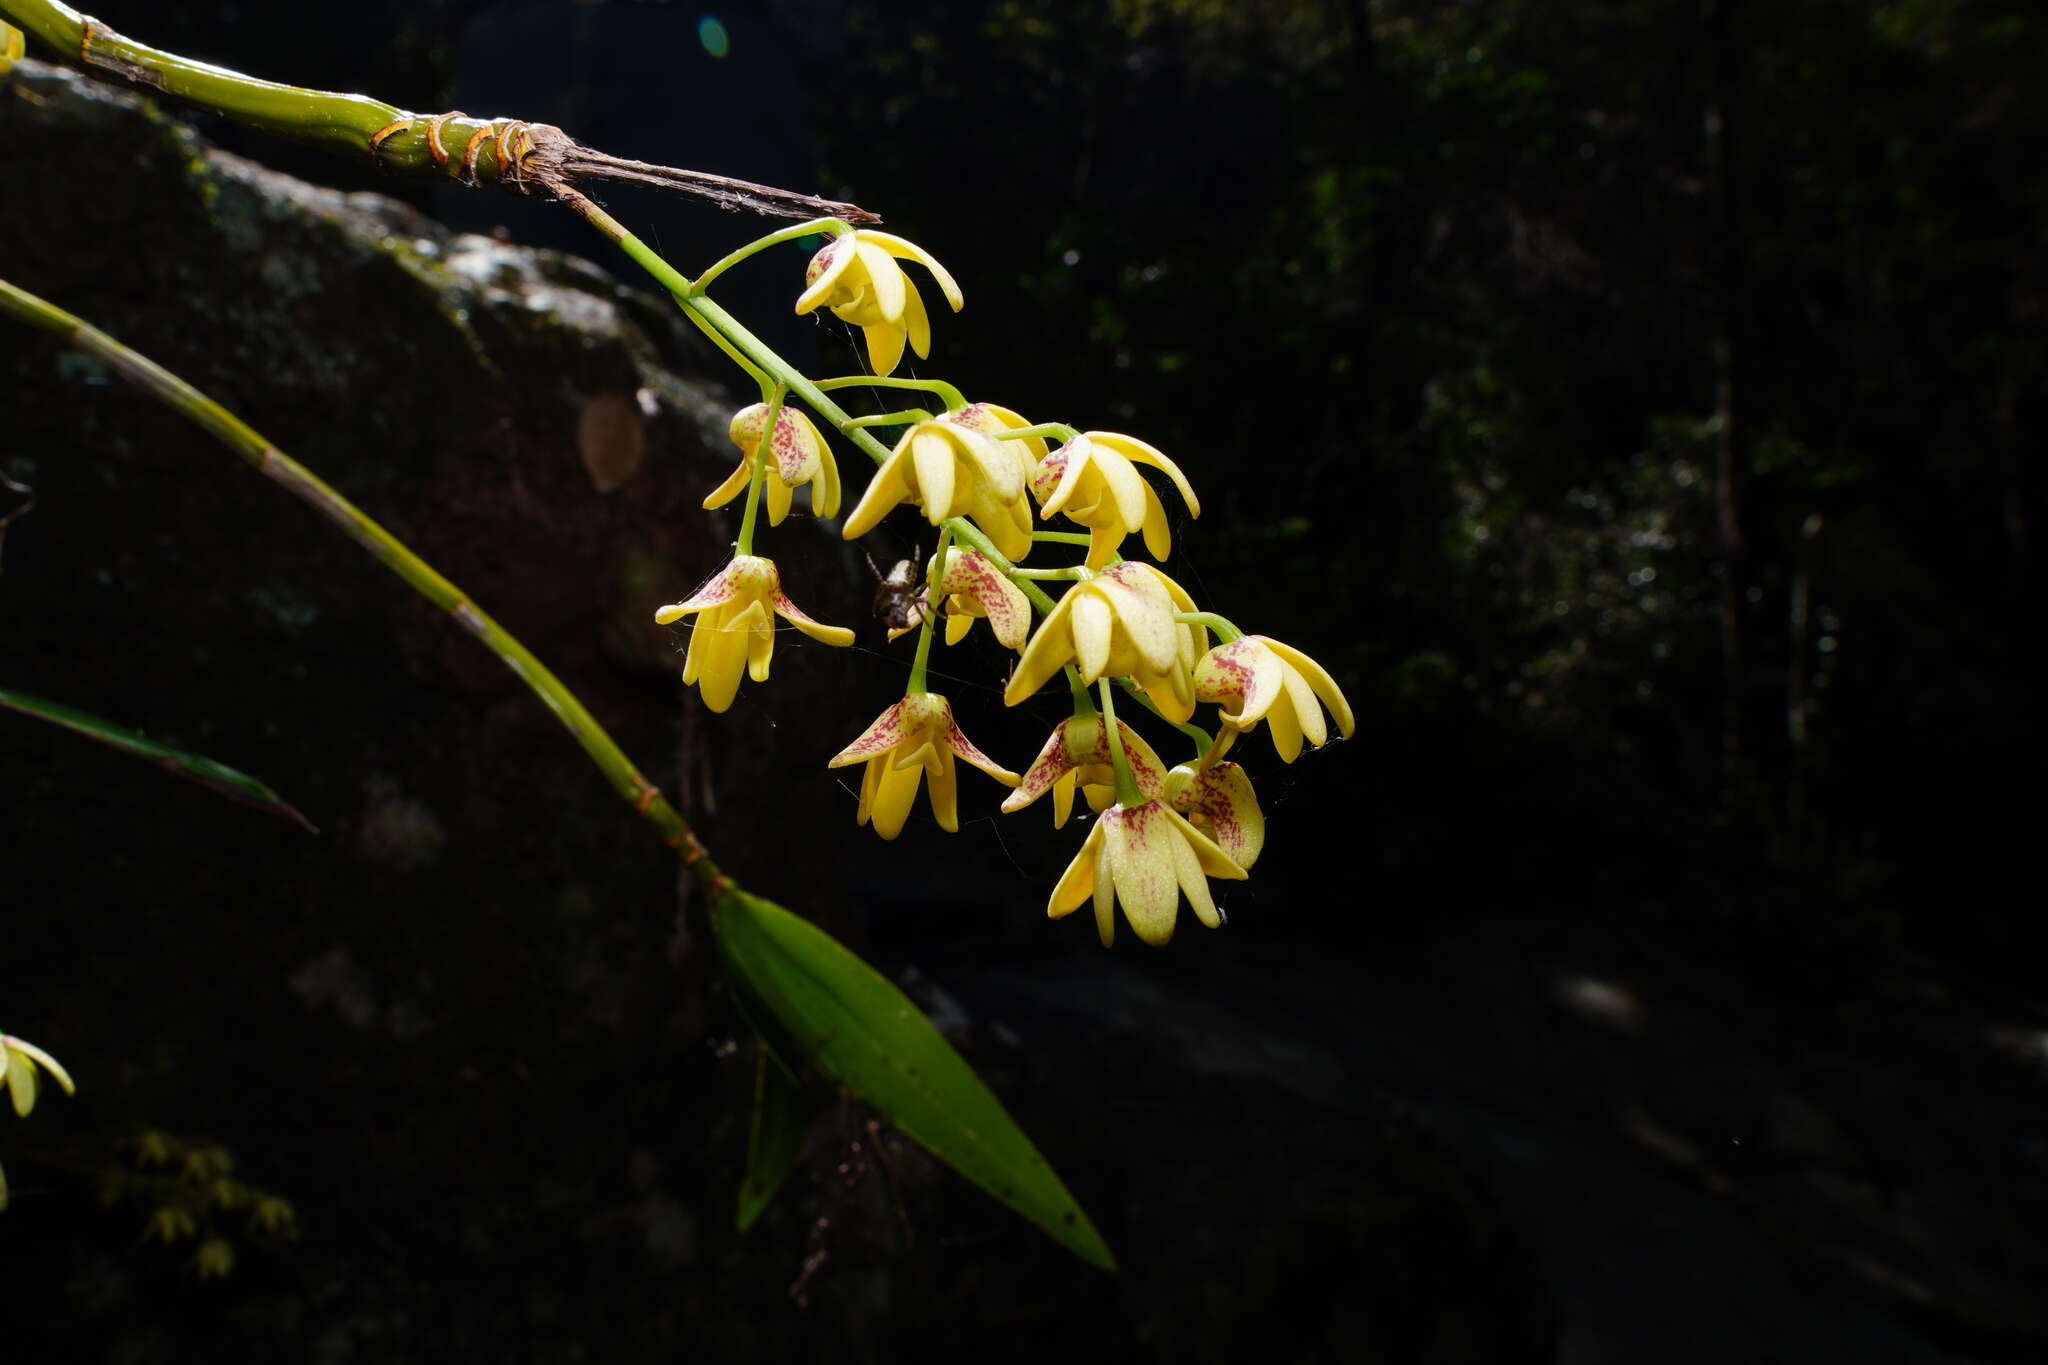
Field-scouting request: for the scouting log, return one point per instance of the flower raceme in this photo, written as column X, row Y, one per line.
column 1119, row 623
column 917, row 738
column 1093, row 479
column 735, row 628
column 1144, row 857
column 950, row 469
column 856, row 276
column 1266, row 680
column 798, row 455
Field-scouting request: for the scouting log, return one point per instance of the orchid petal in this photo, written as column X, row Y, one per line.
column 1139, row 843
column 910, row 251
column 885, row 346
column 48, row 1063
column 1158, row 532
column 932, row 455
column 1046, row 652
column 945, row 796
column 1135, row 449
column 1094, row 622
column 1124, row 485
column 880, row 737
column 21, row 1083
column 916, row 325
column 1243, row 671
column 823, row 276
column 895, row 790
column 884, row 492
column 796, row 616
column 1324, row 685
column 780, row 495
column 1105, row 886
column 1078, row 881
column 1307, row 713
column 1144, row 611
column 885, row 280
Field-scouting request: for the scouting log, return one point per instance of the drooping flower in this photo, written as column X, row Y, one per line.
column 1266, row 680
column 856, row 276
column 1218, row 800
column 798, row 455
column 1094, row 480
column 1118, row 624
column 1078, row 755
column 914, row 739
column 951, row 469
column 19, row 1059
column 976, row 590
column 1146, row 857
column 993, row 420
column 735, row 628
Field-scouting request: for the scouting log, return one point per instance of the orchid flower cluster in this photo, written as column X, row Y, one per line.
column 989, row 481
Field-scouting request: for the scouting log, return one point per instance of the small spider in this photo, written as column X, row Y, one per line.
column 899, row 598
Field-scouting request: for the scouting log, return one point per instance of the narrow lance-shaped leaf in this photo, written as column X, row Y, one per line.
column 776, row 1138
column 218, row 777
column 814, row 1001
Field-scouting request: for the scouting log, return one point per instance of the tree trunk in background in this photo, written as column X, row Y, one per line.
column 1730, row 467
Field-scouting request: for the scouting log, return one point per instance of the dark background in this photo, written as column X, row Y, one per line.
column 1635, row 406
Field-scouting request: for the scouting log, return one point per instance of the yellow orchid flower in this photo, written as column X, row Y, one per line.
column 856, row 276
column 1119, row 624
column 1146, row 857
column 1219, row 801
column 993, row 420
column 799, row 455
column 1094, row 481
column 951, row 469
column 1078, row 754
column 976, row 590
column 915, row 738
column 19, row 1059
column 1255, row 673
column 736, row 629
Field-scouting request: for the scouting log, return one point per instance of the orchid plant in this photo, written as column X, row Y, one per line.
column 995, row 486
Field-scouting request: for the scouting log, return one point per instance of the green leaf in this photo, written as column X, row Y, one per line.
column 218, row 777
column 777, row 1137
column 814, row 1001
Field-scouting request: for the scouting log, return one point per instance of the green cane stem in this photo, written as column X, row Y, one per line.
column 509, row 153
column 387, row 549
column 732, row 353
